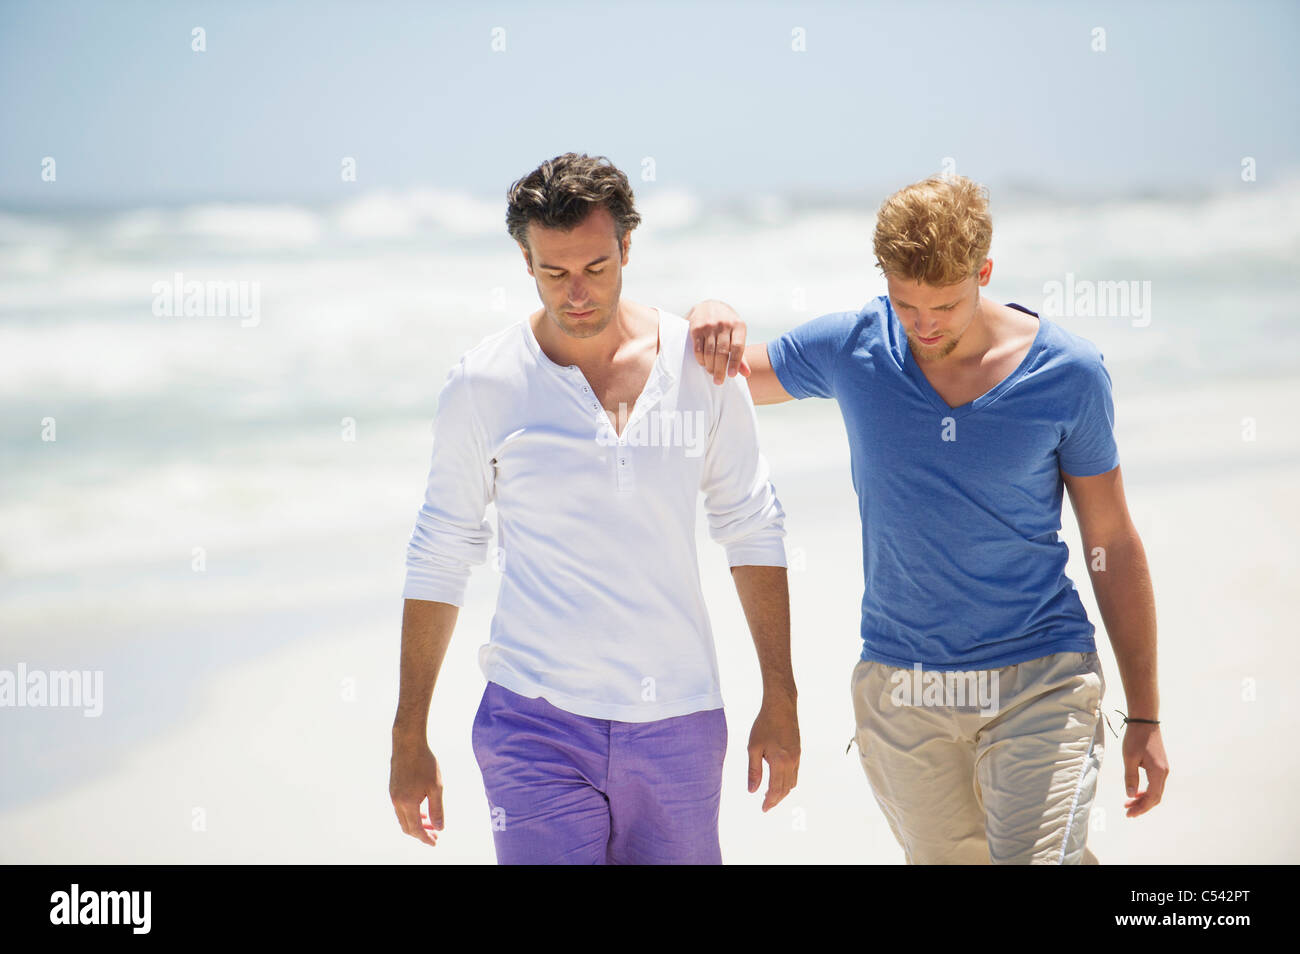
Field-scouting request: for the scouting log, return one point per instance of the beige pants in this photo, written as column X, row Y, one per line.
column 961, row 783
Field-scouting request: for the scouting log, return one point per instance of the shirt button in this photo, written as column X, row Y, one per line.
column 585, row 388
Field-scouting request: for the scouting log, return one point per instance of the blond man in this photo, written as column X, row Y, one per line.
column 978, row 690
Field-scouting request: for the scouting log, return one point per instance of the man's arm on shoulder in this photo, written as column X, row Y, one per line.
column 720, row 349
column 1121, row 580
column 764, row 386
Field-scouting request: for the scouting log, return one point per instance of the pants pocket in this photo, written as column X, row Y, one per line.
column 1091, row 663
column 861, row 673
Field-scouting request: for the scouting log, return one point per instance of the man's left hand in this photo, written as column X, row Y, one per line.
column 774, row 738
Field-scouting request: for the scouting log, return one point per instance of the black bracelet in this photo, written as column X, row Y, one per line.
column 1146, row 721
column 1126, row 721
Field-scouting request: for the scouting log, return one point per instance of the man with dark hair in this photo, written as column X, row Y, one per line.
column 560, row 192
column 600, row 733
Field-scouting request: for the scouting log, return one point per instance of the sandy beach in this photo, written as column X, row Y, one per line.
column 235, row 272
column 232, row 734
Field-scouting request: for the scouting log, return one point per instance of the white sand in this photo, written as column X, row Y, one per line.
column 285, row 769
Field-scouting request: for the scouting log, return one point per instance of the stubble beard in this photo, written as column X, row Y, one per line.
column 929, row 353
column 583, row 329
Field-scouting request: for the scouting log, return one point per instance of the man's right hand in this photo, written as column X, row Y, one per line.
column 719, row 337
column 413, row 776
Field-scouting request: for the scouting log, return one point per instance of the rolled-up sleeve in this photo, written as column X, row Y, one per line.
column 743, row 511
column 451, row 534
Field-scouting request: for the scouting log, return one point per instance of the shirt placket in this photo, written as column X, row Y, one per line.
column 624, row 467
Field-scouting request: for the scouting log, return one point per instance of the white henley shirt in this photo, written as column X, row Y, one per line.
column 600, row 610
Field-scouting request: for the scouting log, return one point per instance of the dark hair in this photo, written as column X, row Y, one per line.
column 561, row 192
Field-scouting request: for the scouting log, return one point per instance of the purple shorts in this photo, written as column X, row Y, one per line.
column 565, row 789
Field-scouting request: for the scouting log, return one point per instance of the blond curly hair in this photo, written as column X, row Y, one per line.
column 935, row 232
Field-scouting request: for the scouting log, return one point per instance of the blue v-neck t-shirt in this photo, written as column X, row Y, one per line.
column 960, row 507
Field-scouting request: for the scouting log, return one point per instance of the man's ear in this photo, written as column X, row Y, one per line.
column 528, row 259
column 985, row 272
column 627, row 243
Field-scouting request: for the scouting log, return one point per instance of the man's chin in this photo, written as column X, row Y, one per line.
column 585, row 328
column 933, row 352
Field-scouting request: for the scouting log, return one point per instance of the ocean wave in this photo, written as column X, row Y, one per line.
column 1249, row 219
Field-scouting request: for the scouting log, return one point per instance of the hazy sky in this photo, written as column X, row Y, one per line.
column 714, row 92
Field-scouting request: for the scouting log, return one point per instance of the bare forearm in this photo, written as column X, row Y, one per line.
column 426, row 633
column 1127, row 603
column 765, row 597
